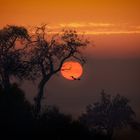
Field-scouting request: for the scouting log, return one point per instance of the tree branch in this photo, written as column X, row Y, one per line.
column 63, row 60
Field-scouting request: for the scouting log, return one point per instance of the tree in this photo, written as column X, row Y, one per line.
column 50, row 52
column 108, row 114
column 12, row 53
column 15, row 110
column 53, row 124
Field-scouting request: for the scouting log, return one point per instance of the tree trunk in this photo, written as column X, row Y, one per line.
column 110, row 134
column 6, row 82
column 40, row 95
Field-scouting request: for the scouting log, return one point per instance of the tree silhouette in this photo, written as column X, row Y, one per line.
column 15, row 110
column 12, row 55
column 53, row 124
column 108, row 114
column 50, row 52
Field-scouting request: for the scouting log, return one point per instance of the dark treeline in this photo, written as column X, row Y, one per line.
column 100, row 120
column 34, row 56
column 17, row 117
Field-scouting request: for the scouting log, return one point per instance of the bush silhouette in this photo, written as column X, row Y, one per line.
column 55, row 125
column 108, row 114
column 15, row 110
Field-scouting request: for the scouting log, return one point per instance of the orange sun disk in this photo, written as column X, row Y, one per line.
column 71, row 70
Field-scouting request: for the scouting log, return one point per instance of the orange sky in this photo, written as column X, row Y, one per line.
column 30, row 12
column 95, row 17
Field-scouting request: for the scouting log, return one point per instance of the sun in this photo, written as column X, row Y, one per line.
column 72, row 70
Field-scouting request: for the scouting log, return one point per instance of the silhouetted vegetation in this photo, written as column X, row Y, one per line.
column 24, row 56
column 36, row 56
column 49, row 54
column 99, row 122
column 109, row 114
column 12, row 54
column 15, row 110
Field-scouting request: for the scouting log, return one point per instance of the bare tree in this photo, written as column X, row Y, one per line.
column 12, row 53
column 50, row 52
column 108, row 114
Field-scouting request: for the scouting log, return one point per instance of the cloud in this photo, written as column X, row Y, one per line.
column 93, row 28
column 100, row 33
column 110, row 32
column 83, row 25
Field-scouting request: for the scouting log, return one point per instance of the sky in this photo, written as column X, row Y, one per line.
column 112, row 26
column 86, row 13
column 61, row 11
column 106, row 21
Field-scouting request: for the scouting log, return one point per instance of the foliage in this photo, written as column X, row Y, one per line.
column 42, row 56
column 36, row 56
column 108, row 114
column 12, row 53
column 15, row 110
column 50, row 52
